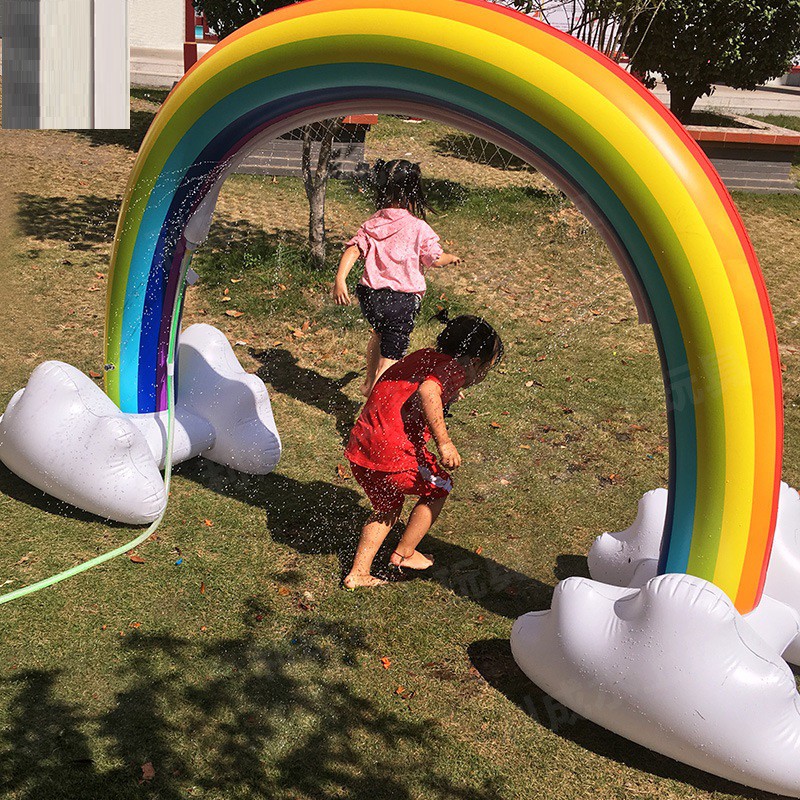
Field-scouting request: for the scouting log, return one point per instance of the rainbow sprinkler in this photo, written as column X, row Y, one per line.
column 681, row 640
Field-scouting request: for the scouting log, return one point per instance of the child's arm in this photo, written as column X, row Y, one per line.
column 339, row 293
column 430, row 395
column 446, row 259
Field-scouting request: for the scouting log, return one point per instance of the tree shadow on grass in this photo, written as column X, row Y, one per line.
column 130, row 138
column 250, row 716
column 281, row 370
column 316, row 517
column 83, row 223
column 493, row 659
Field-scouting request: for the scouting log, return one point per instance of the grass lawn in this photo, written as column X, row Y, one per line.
column 245, row 672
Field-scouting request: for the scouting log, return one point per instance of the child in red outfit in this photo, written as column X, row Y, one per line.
column 387, row 448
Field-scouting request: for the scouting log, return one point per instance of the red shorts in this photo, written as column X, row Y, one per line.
column 387, row 490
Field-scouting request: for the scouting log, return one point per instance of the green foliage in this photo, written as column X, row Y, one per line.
column 697, row 43
column 225, row 16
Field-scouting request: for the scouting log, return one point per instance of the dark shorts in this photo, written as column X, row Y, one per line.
column 388, row 490
column 392, row 315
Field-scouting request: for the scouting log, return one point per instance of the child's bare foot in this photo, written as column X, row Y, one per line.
column 355, row 581
column 416, row 560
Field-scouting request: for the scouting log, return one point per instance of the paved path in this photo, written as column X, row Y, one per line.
column 762, row 102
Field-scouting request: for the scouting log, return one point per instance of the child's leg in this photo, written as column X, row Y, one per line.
column 419, row 523
column 373, row 359
column 381, row 367
column 372, row 536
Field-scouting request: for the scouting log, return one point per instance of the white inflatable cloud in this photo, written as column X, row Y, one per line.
column 674, row 667
column 630, row 558
column 668, row 662
column 65, row 436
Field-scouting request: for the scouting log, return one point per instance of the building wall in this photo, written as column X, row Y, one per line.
column 157, row 36
column 157, row 24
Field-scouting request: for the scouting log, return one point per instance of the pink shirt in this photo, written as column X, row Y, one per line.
column 396, row 247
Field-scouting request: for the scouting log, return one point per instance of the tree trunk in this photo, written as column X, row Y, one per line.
column 316, row 181
column 681, row 102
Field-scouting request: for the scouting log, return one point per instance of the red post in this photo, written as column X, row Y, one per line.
column 190, row 40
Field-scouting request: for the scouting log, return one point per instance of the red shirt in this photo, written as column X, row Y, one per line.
column 391, row 431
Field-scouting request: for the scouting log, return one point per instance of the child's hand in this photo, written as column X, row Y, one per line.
column 446, row 259
column 449, row 456
column 340, row 294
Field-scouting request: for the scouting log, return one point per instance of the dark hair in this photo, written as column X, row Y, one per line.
column 468, row 335
column 398, row 184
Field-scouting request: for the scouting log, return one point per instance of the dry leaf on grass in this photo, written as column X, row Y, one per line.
column 342, row 472
column 234, row 313
column 208, row 523
column 135, row 558
column 148, row 771
column 386, row 662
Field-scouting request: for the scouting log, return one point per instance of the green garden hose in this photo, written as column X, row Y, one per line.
column 94, row 562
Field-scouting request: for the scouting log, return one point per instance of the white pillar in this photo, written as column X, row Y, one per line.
column 66, row 64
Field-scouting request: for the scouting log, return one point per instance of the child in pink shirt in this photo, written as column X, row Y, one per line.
column 397, row 246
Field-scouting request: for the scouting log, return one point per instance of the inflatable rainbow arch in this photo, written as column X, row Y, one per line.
column 563, row 107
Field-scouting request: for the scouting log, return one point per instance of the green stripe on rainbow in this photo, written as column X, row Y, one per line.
column 562, row 106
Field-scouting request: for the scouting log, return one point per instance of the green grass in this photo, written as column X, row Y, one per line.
column 782, row 121
column 245, row 672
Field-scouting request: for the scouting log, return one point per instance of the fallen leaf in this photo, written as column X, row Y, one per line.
column 277, row 342
column 386, row 663
column 226, row 292
column 135, row 625
column 234, row 313
column 208, row 523
column 545, row 319
column 540, row 358
column 93, row 289
column 342, row 472
column 283, row 591
column 281, row 287
column 504, row 482
column 524, row 447
column 100, row 276
column 494, row 425
column 203, row 629
column 236, row 280
column 528, row 384
column 225, row 299
column 305, row 326
column 148, row 772
column 297, row 333
column 595, row 312
column 135, row 558
column 400, row 690
column 478, row 550
column 93, row 374
column 202, row 587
